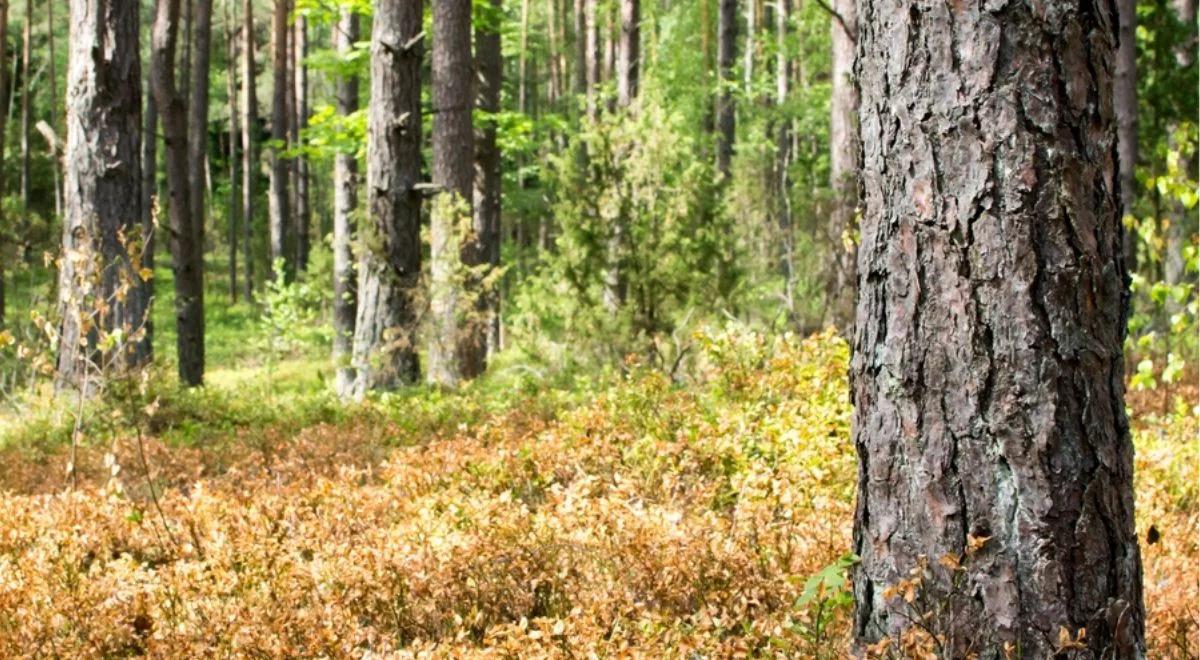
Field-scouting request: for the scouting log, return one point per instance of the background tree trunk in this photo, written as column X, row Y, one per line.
column 783, row 157
column 26, row 113
column 389, row 272
column 987, row 372
column 726, row 43
column 345, row 187
column 52, row 74
column 1125, row 104
column 591, row 59
column 231, row 97
column 4, row 101
column 198, row 117
column 149, row 193
column 457, row 346
column 1182, row 221
column 630, row 56
column 843, row 170
column 489, row 63
column 280, row 210
column 186, row 237
column 303, row 210
column 250, row 163
column 104, row 108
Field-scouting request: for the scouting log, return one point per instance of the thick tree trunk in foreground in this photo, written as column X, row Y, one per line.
column 100, row 286
column 345, row 186
column 1125, row 104
column 726, row 43
column 490, row 66
column 457, row 347
column 186, row 237
column 250, row 164
column 987, row 373
column 280, row 208
column 385, row 352
column 843, row 171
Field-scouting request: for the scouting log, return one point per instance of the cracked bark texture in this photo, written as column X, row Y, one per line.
column 457, row 347
column 103, row 189
column 389, row 269
column 987, row 375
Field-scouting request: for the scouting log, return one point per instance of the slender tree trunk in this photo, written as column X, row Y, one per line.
column 149, row 194
column 580, row 35
column 186, row 235
column 345, row 187
column 52, row 70
column 5, row 95
column 554, row 89
column 198, row 117
column 748, row 50
column 783, row 156
column 591, row 58
column 280, row 210
column 840, row 273
column 457, row 347
column 987, row 372
column 303, row 211
column 608, row 49
column 1183, row 221
column 102, row 291
column 1125, row 105
column 490, row 66
column 26, row 114
column 231, row 96
column 250, row 165
column 389, row 272
column 630, row 53
column 726, row 42
column 522, row 68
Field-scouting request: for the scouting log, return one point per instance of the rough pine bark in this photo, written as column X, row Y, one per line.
column 726, row 44
column 280, row 208
column 457, row 346
column 987, row 374
column 345, row 187
column 489, row 65
column 389, row 271
column 300, row 163
column 186, row 237
column 101, row 235
column 629, row 57
column 250, row 164
column 843, row 170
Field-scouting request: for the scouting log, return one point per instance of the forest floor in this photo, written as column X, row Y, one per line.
column 614, row 514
